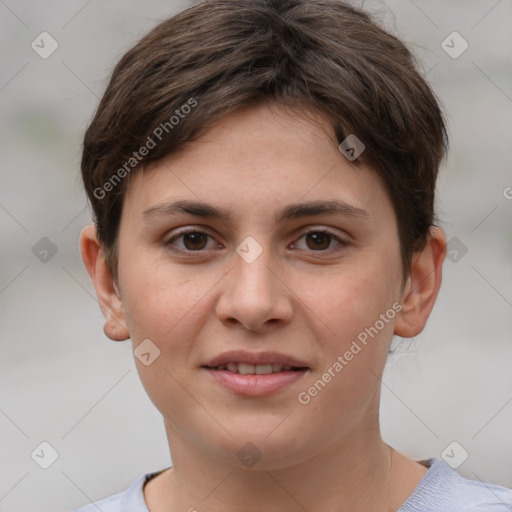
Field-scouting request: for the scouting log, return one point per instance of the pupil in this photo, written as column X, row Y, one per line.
column 322, row 236
column 195, row 238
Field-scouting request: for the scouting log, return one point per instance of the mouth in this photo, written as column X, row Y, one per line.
column 255, row 374
column 256, row 369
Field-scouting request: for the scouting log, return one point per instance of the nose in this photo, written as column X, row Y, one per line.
column 255, row 295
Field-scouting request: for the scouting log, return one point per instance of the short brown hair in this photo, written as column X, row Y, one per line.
column 220, row 55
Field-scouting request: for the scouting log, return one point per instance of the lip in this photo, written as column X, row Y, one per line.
column 255, row 385
column 242, row 356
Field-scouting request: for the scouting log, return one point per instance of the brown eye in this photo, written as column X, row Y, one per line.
column 192, row 241
column 320, row 241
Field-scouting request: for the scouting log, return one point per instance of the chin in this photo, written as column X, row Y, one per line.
column 263, row 448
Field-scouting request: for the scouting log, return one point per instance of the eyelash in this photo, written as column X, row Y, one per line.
column 341, row 243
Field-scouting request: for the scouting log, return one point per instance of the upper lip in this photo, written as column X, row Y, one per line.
column 241, row 356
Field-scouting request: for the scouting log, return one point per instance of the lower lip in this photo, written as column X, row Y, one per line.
column 255, row 385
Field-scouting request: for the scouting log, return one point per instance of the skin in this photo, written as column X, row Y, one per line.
column 299, row 297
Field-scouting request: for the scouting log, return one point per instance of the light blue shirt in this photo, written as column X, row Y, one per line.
column 440, row 490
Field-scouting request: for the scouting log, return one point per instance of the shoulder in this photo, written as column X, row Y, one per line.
column 443, row 490
column 131, row 498
column 111, row 504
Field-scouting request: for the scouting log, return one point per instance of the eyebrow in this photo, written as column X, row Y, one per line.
column 289, row 212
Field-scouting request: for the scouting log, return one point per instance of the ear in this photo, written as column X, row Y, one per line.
column 108, row 297
column 422, row 286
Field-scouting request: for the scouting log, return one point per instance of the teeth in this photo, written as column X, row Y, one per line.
column 263, row 369
column 245, row 369
column 232, row 367
column 254, row 369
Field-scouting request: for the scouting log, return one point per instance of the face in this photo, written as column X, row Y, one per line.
column 298, row 282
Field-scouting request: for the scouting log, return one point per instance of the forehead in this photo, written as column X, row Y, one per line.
column 255, row 160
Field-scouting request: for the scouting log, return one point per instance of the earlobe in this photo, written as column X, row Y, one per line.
column 108, row 296
column 422, row 286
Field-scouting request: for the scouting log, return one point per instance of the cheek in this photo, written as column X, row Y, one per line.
column 164, row 311
column 351, row 298
column 354, row 354
column 157, row 297
column 346, row 307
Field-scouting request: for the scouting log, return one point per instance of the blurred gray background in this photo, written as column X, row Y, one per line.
column 64, row 383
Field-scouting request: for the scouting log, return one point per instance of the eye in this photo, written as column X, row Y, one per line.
column 319, row 240
column 193, row 240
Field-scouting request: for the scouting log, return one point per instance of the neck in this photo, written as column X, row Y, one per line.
column 353, row 475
